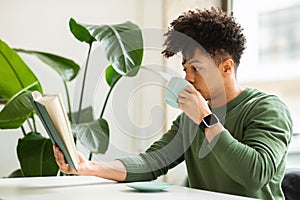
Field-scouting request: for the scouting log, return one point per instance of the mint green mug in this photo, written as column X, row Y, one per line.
column 175, row 86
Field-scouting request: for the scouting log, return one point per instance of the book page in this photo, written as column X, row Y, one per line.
column 54, row 106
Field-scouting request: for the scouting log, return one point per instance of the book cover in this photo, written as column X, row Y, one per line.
column 53, row 116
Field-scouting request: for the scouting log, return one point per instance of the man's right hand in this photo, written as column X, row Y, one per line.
column 83, row 164
column 114, row 170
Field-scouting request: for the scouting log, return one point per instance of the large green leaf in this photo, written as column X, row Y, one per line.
column 66, row 68
column 16, row 174
column 111, row 76
column 15, row 75
column 36, row 156
column 94, row 135
column 86, row 115
column 123, row 45
column 15, row 112
column 80, row 32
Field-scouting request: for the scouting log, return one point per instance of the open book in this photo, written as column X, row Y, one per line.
column 53, row 116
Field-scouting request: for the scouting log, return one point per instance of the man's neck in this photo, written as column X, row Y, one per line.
column 226, row 94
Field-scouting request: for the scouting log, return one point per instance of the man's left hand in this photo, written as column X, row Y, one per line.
column 193, row 104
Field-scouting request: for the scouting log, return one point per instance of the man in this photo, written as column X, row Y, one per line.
column 236, row 144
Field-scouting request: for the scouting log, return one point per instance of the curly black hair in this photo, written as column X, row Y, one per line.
column 213, row 30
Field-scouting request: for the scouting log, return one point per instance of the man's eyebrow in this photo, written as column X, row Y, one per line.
column 192, row 61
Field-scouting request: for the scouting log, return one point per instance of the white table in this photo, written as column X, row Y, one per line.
column 88, row 188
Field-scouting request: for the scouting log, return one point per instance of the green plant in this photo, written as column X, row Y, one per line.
column 123, row 46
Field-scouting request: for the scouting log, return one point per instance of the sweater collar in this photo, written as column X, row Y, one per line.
column 220, row 111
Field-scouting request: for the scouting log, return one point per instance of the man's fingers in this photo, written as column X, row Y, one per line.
column 60, row 157
column 190, row 89
column 60, row 160
column 187, row 92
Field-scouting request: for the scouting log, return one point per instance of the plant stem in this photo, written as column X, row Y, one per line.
column 32, row 129
column 104, row 106
column 83, row 82
column 23, row 130
column 29, row 124
column 107, row 97
column 34, row 123
column 69, row 103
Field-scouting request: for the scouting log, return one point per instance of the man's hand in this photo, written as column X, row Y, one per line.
column 84, row 167
column 195, row 107
column 114, row 170
column 193, row 104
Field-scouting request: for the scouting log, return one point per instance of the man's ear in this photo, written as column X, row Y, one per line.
column 227, row 67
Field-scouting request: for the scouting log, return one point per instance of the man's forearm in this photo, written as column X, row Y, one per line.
column 212, row 132
column 114, row 170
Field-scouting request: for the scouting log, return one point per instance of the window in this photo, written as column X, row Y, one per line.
column 279, row 37
column 272, row 58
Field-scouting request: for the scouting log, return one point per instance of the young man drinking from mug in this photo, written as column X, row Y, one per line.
column 234, row 140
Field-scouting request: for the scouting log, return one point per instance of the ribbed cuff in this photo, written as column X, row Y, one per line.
column 134, row 169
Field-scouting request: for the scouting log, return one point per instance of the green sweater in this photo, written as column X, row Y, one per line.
column 248, row 158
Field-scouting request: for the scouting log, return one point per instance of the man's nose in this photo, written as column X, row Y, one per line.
column 189, row 77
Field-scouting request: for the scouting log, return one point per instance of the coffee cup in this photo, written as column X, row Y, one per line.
column 174, row 87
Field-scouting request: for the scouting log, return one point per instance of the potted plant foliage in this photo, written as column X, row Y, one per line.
column 123, row 47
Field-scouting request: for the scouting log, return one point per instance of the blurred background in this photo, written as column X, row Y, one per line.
column 136, row 112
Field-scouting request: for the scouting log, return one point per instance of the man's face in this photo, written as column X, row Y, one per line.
column 202, row 72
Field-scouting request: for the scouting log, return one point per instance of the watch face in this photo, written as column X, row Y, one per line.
column 210, row 120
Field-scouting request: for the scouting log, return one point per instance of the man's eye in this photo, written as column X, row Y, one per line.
column 196, row 69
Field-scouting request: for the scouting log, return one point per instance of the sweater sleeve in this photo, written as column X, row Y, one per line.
column 263, row 146
column 161, row 156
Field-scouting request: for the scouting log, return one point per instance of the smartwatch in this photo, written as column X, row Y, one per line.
column 208, row 121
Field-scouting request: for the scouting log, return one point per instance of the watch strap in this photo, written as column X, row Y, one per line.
column 208, row 121
column 202, row 126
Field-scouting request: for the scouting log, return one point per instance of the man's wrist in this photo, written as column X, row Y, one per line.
column 208, row 121
column 202, row 115
column 212, row 132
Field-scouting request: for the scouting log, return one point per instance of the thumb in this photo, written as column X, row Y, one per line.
column 190, row 89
